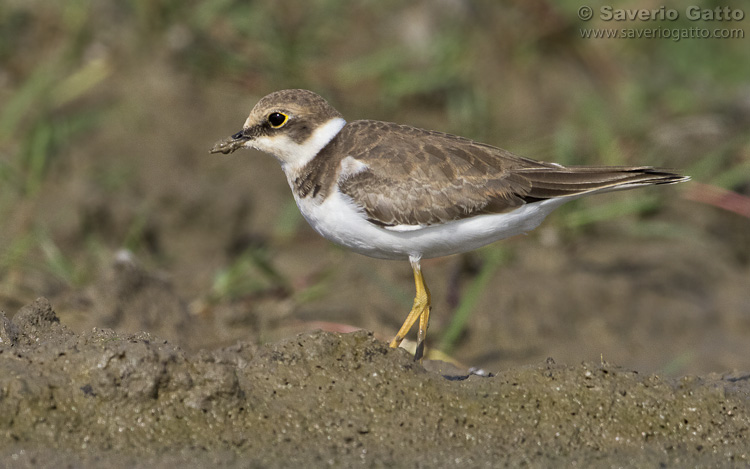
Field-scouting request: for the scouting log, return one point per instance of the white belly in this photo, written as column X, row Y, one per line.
column 338, row 219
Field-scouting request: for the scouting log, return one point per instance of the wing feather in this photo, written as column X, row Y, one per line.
column 420, row 177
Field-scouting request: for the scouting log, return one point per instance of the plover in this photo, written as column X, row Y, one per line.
column 392, row 191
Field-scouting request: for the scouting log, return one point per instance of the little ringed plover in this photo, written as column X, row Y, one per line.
column 392, row 191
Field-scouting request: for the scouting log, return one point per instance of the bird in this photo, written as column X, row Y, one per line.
column 397, row 192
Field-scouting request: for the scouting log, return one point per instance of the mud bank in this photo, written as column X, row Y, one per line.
column 323, row 399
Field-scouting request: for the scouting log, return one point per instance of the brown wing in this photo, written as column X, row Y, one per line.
column 419, row 177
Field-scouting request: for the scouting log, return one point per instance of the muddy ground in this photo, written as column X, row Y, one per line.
column 345, row 400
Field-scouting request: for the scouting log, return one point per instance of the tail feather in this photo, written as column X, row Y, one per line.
column 547, row 183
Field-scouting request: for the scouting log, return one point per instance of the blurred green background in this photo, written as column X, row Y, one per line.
column 108, row 109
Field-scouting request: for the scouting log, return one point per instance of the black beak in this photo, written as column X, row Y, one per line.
column 230, row 144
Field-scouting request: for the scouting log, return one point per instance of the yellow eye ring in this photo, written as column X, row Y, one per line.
column 277, row 119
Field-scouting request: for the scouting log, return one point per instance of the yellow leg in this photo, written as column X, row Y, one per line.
column 424, row 321
column 420, row 310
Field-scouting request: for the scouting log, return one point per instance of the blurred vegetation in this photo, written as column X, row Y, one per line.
column 74, row 186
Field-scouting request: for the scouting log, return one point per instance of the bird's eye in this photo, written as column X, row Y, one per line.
column 277, row 119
